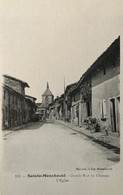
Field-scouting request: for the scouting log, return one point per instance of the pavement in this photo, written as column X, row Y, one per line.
column 52, row 148
column 12, row 130
column 111, row 141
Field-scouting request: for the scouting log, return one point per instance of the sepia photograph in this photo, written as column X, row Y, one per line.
column 61, row 78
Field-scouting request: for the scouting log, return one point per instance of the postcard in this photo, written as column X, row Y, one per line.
column 61, row 85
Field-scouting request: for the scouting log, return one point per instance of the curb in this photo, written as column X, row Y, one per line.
column 10, row 131
column 102, row 143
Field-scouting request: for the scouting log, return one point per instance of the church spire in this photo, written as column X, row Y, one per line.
column 47, row 85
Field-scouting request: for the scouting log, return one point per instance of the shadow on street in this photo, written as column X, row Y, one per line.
column 35, row 125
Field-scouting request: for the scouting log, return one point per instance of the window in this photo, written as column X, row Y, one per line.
column 103, row 109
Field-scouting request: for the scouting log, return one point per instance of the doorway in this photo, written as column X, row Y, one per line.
column 113, row 114
column 118, row 114
column 88, row 109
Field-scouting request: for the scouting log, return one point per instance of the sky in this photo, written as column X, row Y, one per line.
column 46, row 40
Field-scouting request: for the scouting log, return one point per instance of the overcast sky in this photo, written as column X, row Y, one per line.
column 46, row 40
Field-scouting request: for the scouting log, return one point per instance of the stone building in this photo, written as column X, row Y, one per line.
column 105, row 78
column 47, row 99
column 30, row 108
column 97, row 93
column 15, row 84
column 80, row 94
column 15, row 109
column 56, row 109
column 68, row 99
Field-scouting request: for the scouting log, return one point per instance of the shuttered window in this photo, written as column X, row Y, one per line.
column 103, row 109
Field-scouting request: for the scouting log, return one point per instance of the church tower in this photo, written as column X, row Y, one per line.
column 47, row 97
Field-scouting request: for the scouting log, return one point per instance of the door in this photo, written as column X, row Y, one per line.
column 80, row 114
column 88, row 109
column 113, row 114
column 118, row 114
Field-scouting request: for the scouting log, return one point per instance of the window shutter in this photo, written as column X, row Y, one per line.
column 101, row 114
column 104, row 108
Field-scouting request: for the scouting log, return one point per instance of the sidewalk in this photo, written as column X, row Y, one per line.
column 9, row 131
column 112, row 141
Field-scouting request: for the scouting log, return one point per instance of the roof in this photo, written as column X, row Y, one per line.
column 27, row 96
column 59, row 99
column 38, row 104
column 47, row 91
column 113, row 48
column 30, row 101
column 70, row 87
column 13, row 78
column 12, row 90
column 44, row 105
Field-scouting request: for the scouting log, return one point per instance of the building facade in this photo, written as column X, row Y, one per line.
column 106, row 87
column 30, row 108
column 47, row 99
column 56, row 109
column 81, row 101
column 15, row 109
column 97, row 93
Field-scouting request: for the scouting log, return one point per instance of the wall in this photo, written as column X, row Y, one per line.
column 28, row 110
column 5, row 107
column 47, row 99
column 106, row 90
column 84, row 113
column 15, row 85
column 80, row 98
column 16, row 110
column 75, row 96
column 76, row 113
column 111, row 67
column 13, row 108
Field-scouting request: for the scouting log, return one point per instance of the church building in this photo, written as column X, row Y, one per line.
column 47, row 98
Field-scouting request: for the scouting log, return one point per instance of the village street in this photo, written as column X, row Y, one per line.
column 50, row 147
